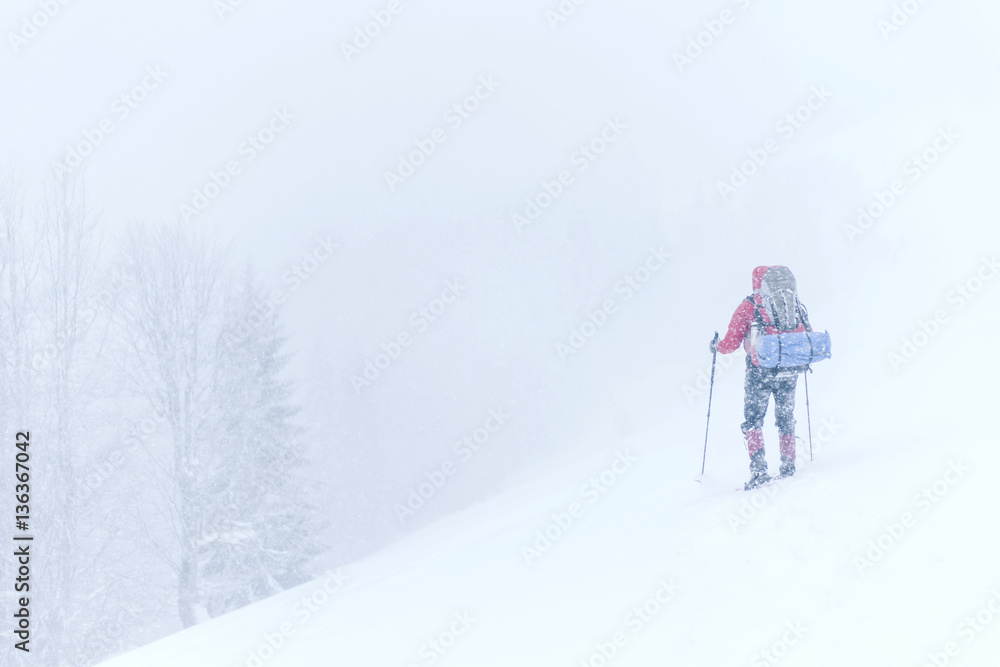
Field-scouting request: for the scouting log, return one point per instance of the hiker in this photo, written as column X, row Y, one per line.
column 773, row 308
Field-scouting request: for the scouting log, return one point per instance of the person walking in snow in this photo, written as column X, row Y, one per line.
column 773, row 308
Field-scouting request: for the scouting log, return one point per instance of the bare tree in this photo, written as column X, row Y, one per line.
column 170, row 322
column 67, row 254
column 18, row 271
column 48, row 257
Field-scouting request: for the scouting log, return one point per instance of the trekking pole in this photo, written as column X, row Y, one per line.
column 711, row 385
column 808, row 417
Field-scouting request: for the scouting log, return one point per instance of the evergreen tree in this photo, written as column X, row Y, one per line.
column 264, row 527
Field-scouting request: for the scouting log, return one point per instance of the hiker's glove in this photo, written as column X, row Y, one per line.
column 712, row 346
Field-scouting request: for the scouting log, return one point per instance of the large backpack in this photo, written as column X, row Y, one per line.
column 775, row 342
column 780, row 298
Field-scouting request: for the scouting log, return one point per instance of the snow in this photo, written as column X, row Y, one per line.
column 877, row 552
column 788, row 568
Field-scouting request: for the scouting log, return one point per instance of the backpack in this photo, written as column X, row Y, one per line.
column 780, row 298
column 783, row 347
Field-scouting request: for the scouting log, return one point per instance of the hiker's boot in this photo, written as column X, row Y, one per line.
column 758, row 464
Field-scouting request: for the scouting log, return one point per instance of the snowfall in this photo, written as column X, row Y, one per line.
column 854, row 146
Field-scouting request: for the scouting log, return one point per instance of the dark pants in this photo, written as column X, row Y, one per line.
column 760, row 383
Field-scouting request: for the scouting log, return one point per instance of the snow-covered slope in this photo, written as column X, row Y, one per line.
column 851, row 562
column 876, row 553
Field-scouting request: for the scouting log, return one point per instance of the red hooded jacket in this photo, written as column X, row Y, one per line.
column 743, row 319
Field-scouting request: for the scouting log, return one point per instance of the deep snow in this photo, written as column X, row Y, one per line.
column 790, row 568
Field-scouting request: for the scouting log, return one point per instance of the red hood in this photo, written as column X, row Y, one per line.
column 758, row 276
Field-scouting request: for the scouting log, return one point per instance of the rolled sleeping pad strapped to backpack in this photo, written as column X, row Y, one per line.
column 785, row 350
